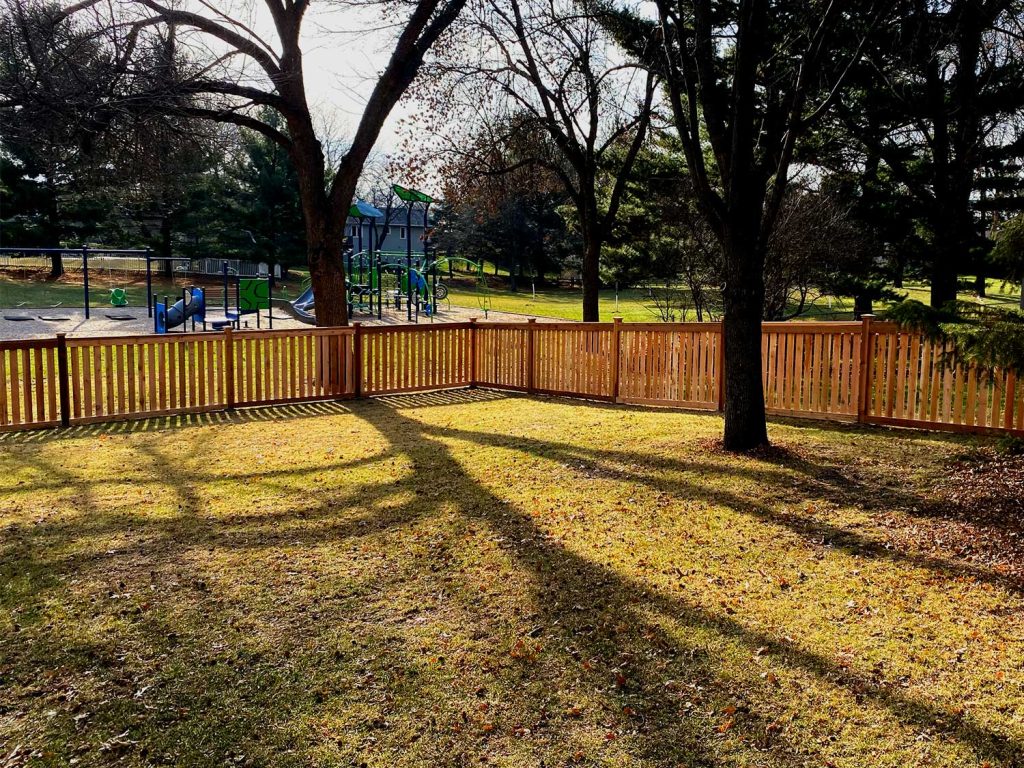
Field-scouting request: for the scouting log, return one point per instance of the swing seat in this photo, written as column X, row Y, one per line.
column 118, row 297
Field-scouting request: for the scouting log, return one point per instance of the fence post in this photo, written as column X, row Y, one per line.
column 357, row 363
column 531, row 351
column 472, row 353
column 720, row 366
column 863, row 368
column 616, row 338
column 229, row 364
column 63, row 382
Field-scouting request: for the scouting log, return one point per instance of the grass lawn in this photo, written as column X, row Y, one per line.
column 635, row 306
column 469, row 579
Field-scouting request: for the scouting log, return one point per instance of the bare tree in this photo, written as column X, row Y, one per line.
column 237, row 72
column 746, row 80
column 519, row 69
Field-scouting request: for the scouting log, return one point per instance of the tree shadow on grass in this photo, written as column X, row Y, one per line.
column 783, row 479
column 587, row 611
column 575, row 592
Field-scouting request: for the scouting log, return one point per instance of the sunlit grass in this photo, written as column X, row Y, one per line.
column 449, row 579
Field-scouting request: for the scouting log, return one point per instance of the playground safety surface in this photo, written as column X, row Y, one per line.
column 103, row 323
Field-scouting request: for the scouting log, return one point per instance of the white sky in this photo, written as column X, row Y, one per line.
column 345, row 46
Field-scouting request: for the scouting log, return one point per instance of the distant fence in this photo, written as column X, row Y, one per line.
column 866, row 372
column 124, row 261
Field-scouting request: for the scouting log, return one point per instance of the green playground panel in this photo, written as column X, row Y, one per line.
column 253, row 294
column 411, row 195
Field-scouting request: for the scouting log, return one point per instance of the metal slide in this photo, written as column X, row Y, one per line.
column 300, row 308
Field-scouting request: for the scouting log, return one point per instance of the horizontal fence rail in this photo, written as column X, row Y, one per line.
column 866, row 371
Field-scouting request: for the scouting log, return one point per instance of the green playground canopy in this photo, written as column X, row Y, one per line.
column 411, row 195
column 363, row 210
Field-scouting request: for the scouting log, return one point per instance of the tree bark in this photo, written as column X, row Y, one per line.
column 325, row 238
column 745, row 426
column 943, row 270
column 56, row 265
column 591, row 277
column 53, row 234
column 862, row 305
column 901, row 267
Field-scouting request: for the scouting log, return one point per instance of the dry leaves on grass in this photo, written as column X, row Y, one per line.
column 978, row 515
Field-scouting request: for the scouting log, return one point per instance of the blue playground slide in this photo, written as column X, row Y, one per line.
column 165, row 318
column 301, row 308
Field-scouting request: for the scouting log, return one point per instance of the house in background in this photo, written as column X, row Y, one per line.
column 393, row 236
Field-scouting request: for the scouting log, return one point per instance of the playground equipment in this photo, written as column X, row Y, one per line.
column 118, row 297
column 300, row 308
column 383, row 280
column 67, row 256
column 191, row 305
column 252, row 295
column 410, row 197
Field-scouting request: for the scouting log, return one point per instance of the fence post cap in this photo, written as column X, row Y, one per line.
column 531, row 320
column 472, row 319
column 867, row 316
column 616, row 319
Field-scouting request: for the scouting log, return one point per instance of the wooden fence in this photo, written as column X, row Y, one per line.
column 867, row 371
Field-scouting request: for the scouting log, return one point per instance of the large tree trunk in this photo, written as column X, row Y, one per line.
column 901, row 268
column 324, row 218
column 745, row 426
column 327, row 272
column 862, row 305
column 52, row 238
column 56, row 265
column 325, row 238
column 949, row 251
column 591, row 277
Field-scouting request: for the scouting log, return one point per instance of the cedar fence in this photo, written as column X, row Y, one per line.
column 868, row 372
